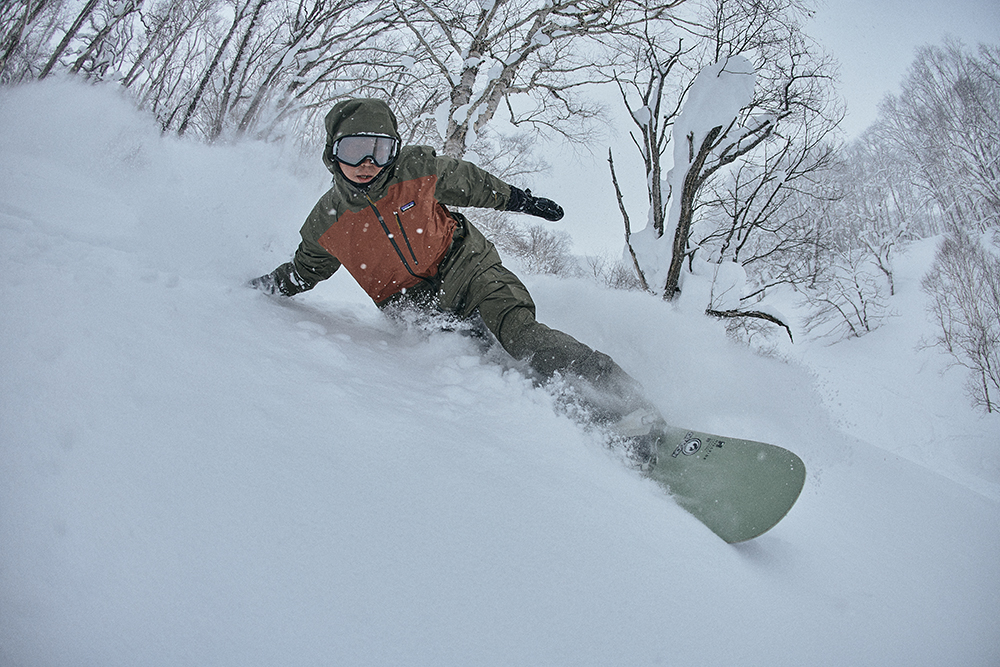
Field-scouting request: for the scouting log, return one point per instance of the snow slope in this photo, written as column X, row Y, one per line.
column 193, row 473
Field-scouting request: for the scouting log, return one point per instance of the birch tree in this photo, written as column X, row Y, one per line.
column 527, row 57
column 100, row 50
column 323, row 50
column 233, row 77
column 945, row 124
column 964, row 288
column 945, row 120
column 68, row 37
column 17, row 21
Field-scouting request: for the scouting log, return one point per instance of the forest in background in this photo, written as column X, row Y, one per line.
column 776, row 192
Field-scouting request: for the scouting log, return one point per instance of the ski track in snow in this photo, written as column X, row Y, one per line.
column 195, row 473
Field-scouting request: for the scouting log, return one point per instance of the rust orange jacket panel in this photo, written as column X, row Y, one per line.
column 396, row 241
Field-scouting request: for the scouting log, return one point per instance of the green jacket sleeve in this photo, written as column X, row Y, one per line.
column 462, row 183
column 313, row 263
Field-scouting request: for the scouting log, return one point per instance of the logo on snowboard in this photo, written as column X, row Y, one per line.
column 689, row 447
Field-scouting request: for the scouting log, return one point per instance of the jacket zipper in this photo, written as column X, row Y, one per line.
column 406, row 238
column 392, row 240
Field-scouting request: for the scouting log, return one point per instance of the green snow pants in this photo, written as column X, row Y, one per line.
column 472, row 279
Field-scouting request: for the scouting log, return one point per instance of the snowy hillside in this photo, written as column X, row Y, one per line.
column 194, row 473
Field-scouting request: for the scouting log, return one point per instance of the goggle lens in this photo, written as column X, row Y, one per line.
column 354, row 150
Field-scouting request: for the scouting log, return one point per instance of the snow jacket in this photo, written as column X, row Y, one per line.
column 393, row 233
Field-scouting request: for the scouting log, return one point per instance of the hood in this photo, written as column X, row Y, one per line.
column 357, row 116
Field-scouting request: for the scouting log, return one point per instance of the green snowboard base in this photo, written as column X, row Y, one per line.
column 738, row 488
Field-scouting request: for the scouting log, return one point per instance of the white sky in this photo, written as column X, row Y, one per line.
column 874, row 41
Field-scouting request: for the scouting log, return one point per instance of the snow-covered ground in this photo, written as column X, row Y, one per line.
column 194, row 473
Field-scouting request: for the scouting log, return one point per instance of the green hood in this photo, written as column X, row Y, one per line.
column 357, row 116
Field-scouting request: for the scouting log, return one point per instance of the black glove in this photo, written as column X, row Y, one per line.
column 523, row 202
column 283, row 280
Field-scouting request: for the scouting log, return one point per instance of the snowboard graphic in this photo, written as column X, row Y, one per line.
column 738, row 488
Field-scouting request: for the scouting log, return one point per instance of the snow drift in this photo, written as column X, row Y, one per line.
column 193, row 473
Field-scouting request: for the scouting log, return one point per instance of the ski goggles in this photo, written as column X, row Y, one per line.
column 355, row 149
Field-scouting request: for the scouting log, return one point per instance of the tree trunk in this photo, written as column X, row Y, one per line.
column 88, row 9
column 96, row 42
column 628, row 226
column 17, row 31
column 693, row 180
column 207, row 77
column 234, row 72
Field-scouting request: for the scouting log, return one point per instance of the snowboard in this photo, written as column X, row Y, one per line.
column 738, row 488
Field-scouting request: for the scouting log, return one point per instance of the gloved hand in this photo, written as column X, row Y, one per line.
column 283, row 280
column 522, row 201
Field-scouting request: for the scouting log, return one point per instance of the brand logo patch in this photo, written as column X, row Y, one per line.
column 407, row 207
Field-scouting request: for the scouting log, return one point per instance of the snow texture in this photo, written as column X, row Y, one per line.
column 195, row 473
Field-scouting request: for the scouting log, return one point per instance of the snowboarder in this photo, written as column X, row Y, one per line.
column 385, row 219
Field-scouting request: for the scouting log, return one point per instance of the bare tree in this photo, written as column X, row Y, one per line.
column 653, row 102
column 964, row 287
column 81, row 18
column 489, row 52
column 749, row 217
column 96, row 56
column 849, row 299
column 943, row 131
column 251, row 67
column 543, row 250
column 240, row 12
column 175, row 42
column 323, row 51
column 882, row 209
column 614, row 273
column 16, row 22
column 232, row 76
column 945, row 120
column 776, row 145
column 636, row 265
column 735, row 189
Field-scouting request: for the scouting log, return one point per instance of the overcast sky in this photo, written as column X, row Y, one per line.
column 874, row 41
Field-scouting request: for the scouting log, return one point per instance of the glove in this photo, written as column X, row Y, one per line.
column 522, row 201
column 284, row 280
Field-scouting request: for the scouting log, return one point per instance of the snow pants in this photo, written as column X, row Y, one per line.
column 472, row 279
